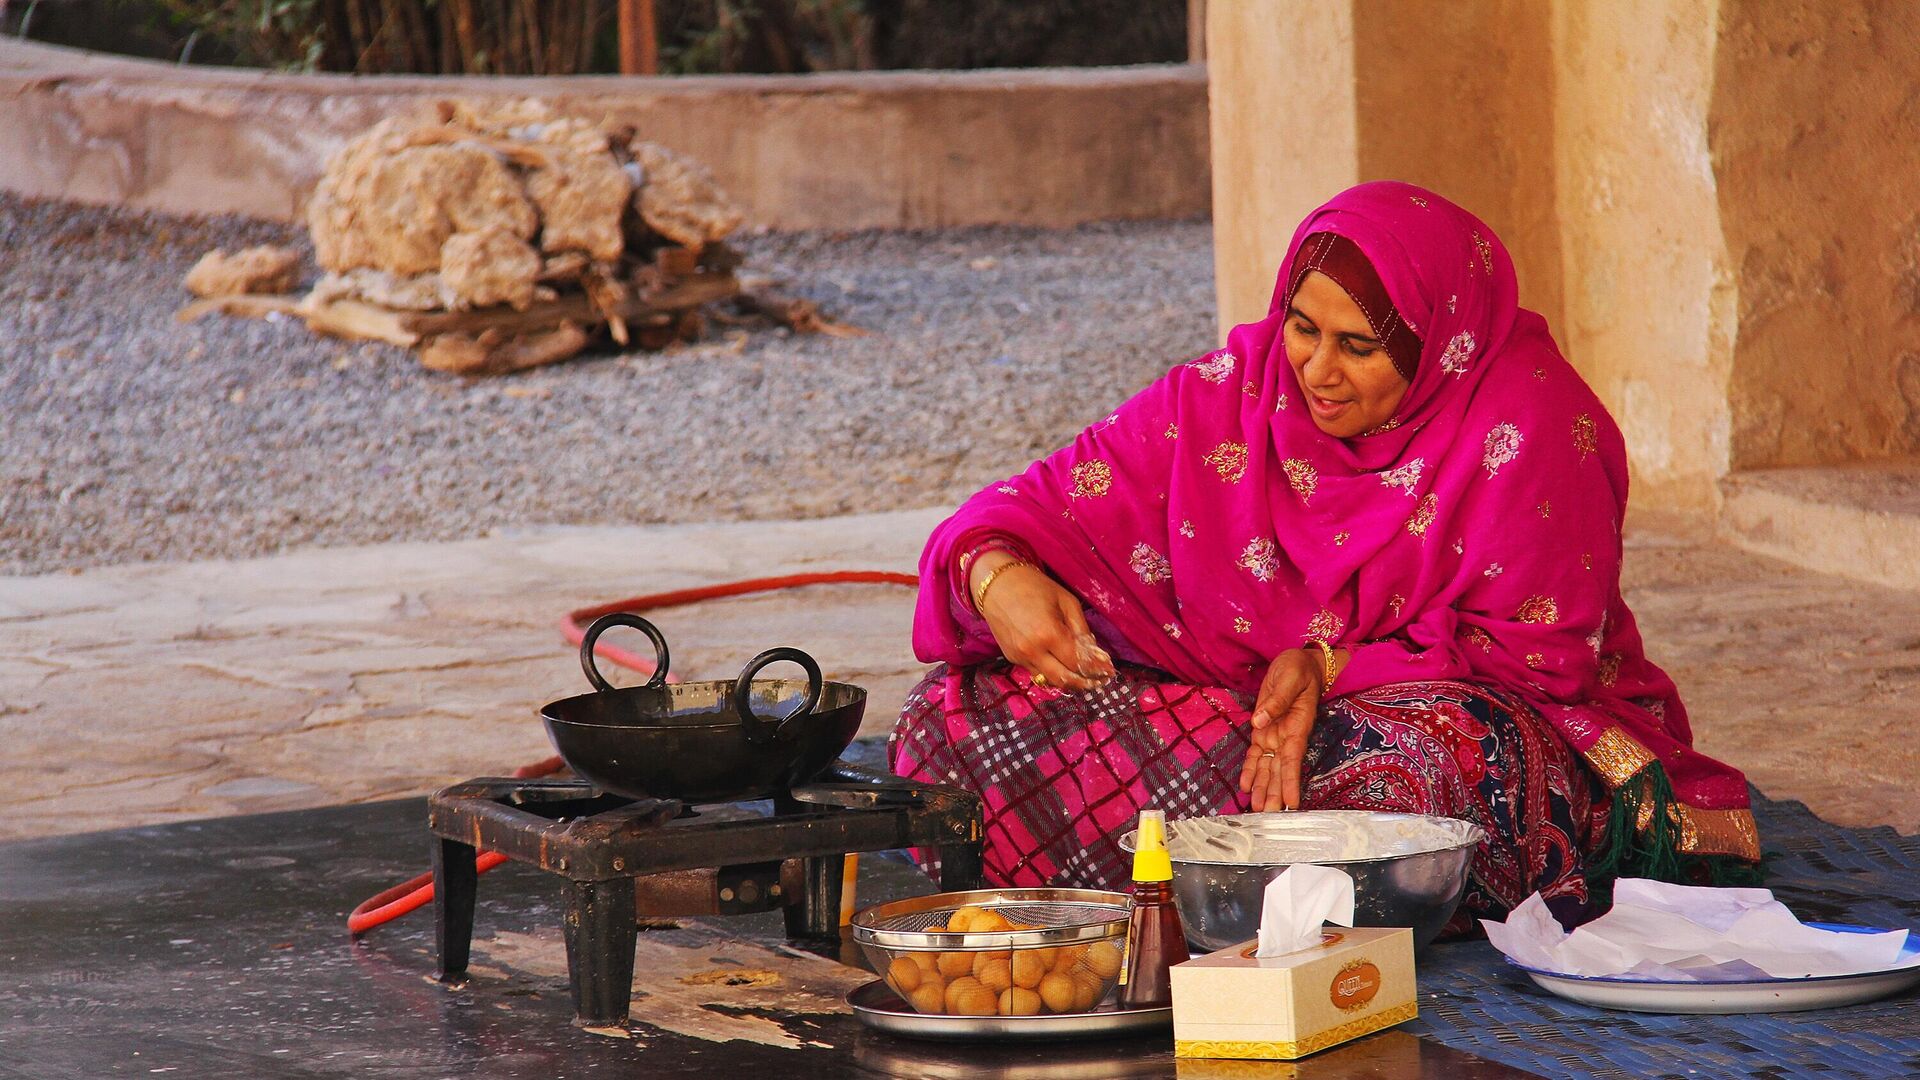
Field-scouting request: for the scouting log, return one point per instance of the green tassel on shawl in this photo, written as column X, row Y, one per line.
column 1654, row 851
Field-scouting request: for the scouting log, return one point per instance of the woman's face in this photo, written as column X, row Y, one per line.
column 1346, row 375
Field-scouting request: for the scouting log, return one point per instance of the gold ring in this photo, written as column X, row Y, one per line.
column 1267, row 754
column 1039, row 679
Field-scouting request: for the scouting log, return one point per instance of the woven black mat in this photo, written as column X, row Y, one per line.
column 1472, row 1000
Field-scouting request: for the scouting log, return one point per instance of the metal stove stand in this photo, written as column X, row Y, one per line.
column 616, row 852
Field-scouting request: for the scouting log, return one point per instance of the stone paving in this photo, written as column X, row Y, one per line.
column 132, row 695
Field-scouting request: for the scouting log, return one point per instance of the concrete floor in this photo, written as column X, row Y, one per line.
column 133, row 695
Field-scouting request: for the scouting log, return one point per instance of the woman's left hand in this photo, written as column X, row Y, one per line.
column 1282, row 720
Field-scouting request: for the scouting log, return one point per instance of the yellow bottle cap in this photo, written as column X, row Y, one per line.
column 1150, row 861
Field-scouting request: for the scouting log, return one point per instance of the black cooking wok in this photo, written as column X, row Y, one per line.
column 715, row 741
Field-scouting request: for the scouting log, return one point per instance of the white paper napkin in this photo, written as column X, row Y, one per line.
column 1298, row 903
column 1689, row 933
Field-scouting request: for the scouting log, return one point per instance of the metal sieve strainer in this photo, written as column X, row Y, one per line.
column 1061, row 916
column 1044, row 951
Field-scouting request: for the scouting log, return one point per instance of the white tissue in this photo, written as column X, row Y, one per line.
column 1298, row 903
column 1689, row 933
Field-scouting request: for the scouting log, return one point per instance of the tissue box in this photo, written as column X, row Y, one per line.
column 1232, row 1004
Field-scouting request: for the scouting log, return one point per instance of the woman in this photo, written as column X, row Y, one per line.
column 1365, row 557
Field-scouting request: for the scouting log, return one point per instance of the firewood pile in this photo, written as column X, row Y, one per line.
column 497, row 237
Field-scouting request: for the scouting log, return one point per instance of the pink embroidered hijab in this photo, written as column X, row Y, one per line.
column 1210, row 525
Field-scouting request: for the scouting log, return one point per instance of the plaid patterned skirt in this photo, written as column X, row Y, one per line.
column 1062, row 774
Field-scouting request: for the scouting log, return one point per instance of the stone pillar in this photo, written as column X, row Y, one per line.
column 1649, row 292
column 1576, row 129
column 1284, row 135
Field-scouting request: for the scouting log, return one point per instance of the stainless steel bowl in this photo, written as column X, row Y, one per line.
column 1408, row 869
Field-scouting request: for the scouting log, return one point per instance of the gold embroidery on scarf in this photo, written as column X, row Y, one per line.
column 1586, row 561
column 1585, row 436
column 1417, row 201
column 1540, row 609
column 1718, row 832
column 1392, row 422
column 1242, row 626
column 1422, row 517
column 1249, row 389
column 1545, row 508
column 1536, row 661
column 1486, row 252
column 1303, row 476
column 1610, row 669
column 1396, row 602
column 1340, row 539
column 1617, row 756
column 1324, row 626
column 1475, row 636
column 1173, row 431
column 1229, row 459
column 1092, row 479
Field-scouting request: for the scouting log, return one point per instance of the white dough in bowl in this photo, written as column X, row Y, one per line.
column 1309, row 836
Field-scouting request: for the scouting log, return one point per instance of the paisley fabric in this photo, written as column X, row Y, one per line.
column 1062, row 775
column 1209, row 525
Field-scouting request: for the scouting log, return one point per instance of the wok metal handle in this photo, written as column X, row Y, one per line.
column 759, row 730
column 608, row 622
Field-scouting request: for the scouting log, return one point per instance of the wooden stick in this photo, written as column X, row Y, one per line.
column 246, row 305
column 493, row 353
column 1196, row 31
column 639, row 40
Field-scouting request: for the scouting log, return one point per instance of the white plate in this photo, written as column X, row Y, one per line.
column 1759, row 995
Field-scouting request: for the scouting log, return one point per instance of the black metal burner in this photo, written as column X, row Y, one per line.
column 617, row 854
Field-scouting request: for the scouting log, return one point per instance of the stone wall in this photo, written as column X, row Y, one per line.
column 1816, row 144
column 1712, row 201
column 890, row 150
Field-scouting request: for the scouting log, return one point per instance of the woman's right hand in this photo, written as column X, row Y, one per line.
column 1039, row 624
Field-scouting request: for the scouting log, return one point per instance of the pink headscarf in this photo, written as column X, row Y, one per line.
column 1210, row 525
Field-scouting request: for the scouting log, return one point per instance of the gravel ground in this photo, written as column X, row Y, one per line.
column 128, row 436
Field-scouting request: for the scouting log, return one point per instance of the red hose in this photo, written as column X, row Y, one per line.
column 390, row 904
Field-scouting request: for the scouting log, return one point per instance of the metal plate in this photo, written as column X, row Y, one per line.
column 881, row 1009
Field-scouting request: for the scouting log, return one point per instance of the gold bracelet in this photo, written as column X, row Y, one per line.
column 1329, row 670
column 980, row 594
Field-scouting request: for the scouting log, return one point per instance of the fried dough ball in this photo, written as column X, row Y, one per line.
column 996, row 975
column 905, row 976
column 1088, row 989
column 961, row 921
column 1104, row 958
column 1028, row 967
column 989, row 922
column 1058, row 992
column 967, row 997
column 930, row 997
column 981, row 959
column 1019, row 1001
column 1066, row 957
column 955, row 964
column 926, row 961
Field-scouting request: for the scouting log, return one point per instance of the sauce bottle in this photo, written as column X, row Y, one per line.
column 1155, row 939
